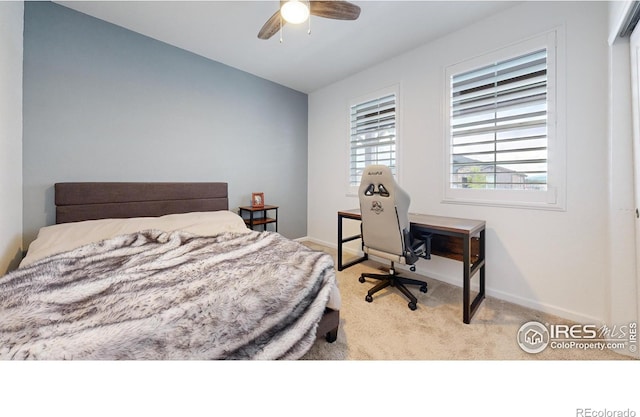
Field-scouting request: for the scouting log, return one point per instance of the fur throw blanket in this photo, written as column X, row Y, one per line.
column 158, row 295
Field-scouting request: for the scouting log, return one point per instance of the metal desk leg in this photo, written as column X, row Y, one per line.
column 342, row 240
column 466, row 281
column 482, row 249
column 469, row 307
column 339, row 243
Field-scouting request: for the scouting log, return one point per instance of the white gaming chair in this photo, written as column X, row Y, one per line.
column 384, row 207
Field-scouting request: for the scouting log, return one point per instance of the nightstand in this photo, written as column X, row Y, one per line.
column 260, row 220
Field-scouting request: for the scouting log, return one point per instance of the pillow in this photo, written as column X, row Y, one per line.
column 63, row 237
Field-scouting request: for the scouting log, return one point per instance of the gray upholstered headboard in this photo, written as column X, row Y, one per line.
column 77, row 201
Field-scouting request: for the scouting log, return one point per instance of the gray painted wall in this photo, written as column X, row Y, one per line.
column 102, row 103
column 11, row 28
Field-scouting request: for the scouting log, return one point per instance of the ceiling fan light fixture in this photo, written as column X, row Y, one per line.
column 295, row 11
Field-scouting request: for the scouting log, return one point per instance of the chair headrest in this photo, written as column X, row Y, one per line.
column 374, row 178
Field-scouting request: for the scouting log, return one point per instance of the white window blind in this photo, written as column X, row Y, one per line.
column 373, row 135
column 498, row 125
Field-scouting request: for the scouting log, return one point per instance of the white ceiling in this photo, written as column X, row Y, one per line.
column 226, row 31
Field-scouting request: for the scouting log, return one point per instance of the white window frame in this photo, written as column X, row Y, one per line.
column 553, row 198
column 352, row 190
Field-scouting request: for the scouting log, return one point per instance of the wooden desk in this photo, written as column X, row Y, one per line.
column 459, row 239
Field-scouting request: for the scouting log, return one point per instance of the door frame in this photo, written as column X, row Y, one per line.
column 634, row 50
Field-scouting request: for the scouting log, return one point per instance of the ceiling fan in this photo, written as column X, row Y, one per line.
column 297, row 11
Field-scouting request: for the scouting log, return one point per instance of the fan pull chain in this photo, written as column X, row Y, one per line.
column 281, row 29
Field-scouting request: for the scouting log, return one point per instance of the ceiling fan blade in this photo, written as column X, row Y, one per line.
column 341, row 10
column 272, row 26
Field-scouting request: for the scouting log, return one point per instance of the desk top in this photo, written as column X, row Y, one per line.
column 450, row 224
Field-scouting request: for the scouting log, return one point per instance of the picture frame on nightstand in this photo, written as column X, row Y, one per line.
column 257, row 200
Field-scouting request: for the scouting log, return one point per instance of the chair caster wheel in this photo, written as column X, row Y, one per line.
column 368, row 298
column 423, row 288
column 361, row 279
column 412, row 306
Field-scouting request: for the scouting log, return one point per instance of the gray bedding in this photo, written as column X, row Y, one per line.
column 157, row 295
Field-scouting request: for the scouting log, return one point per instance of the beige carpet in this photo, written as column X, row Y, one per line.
column 387, row 329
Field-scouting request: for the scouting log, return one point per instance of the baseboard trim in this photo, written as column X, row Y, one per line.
column 515, row 299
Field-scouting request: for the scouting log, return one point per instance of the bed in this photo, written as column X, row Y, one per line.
column 163, row 271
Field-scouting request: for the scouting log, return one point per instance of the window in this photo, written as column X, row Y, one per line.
column 503, row 147
column 373, row 135
column 499, row 125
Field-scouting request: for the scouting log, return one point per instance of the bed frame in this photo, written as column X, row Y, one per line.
column 79, row 201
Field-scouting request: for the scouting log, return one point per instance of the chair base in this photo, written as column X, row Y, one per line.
column 394, row 280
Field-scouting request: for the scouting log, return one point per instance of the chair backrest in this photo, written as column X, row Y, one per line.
column 384, row 207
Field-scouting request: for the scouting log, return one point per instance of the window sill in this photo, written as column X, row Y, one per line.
column 549, row 200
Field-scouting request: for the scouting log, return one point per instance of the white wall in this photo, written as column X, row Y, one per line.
column 551, row 260
column 11, row 23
